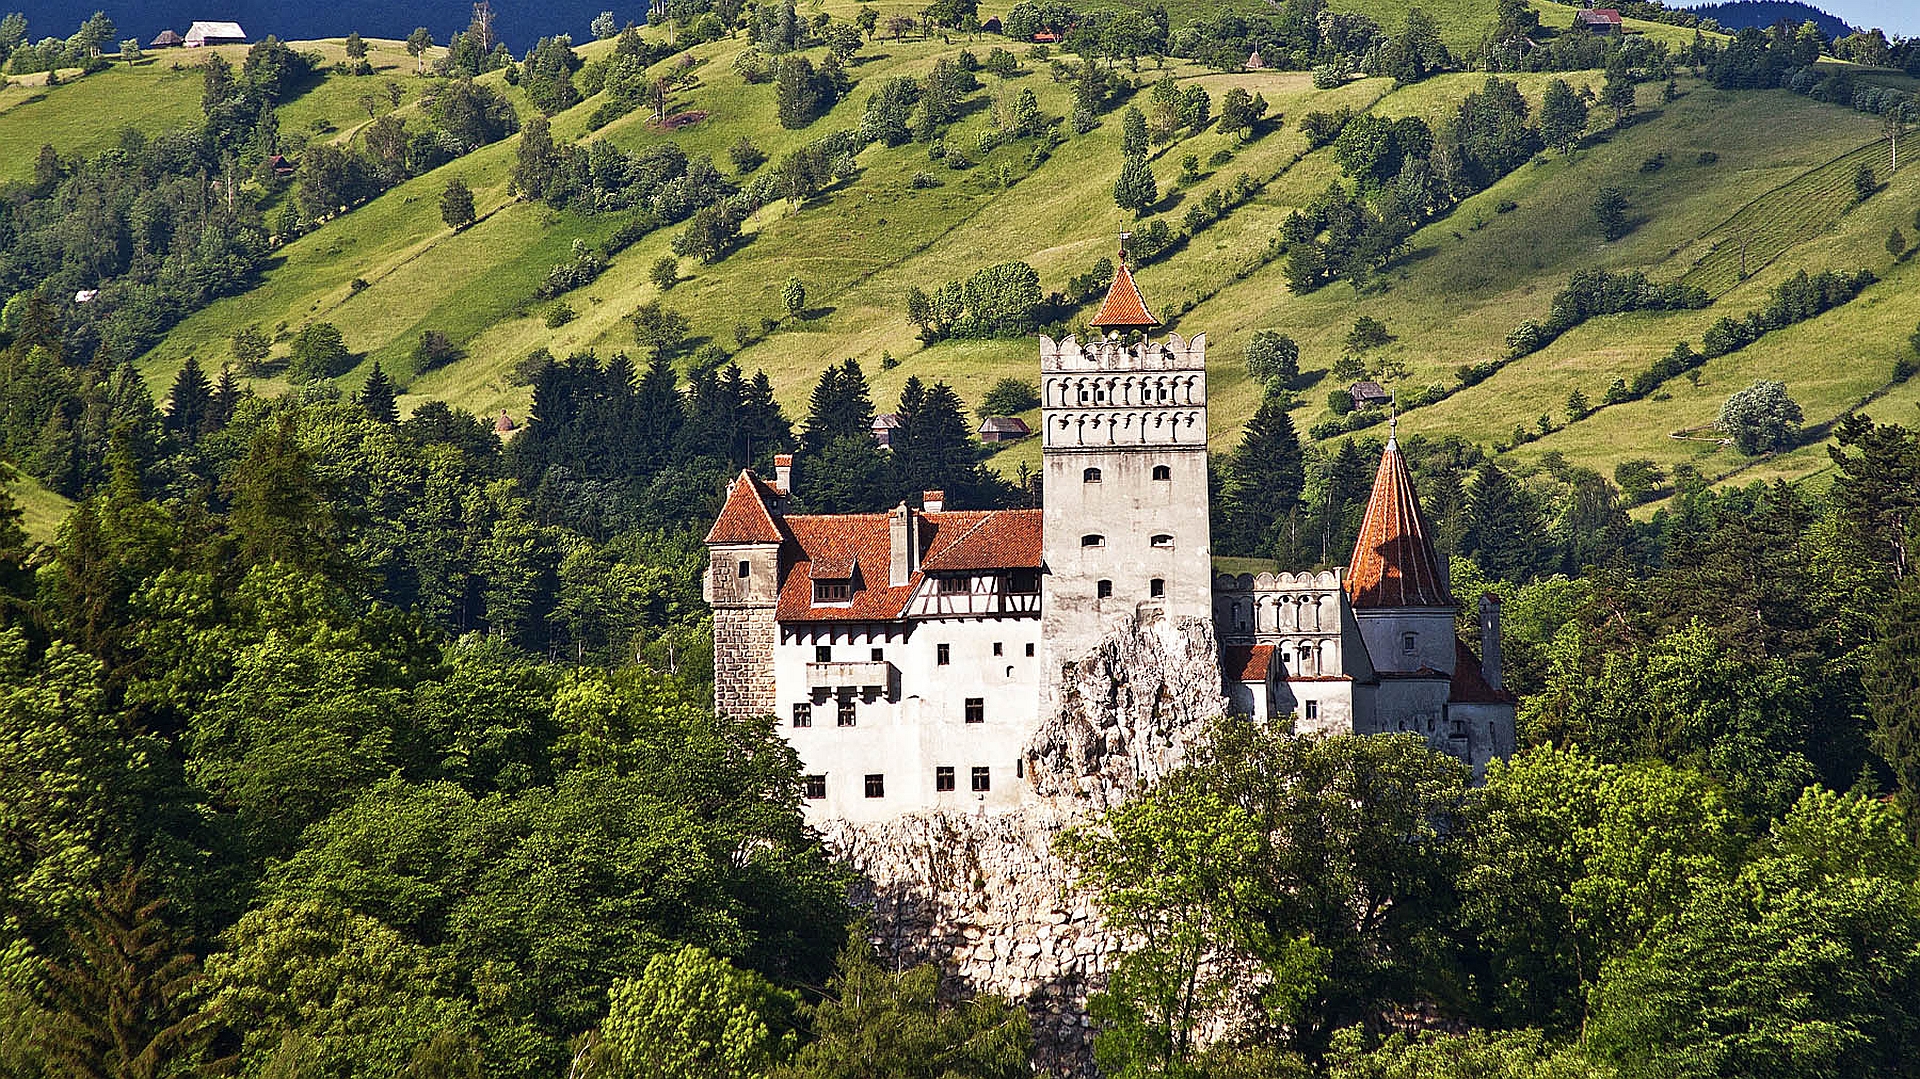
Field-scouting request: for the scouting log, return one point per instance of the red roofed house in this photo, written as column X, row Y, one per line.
column 1604, row 20
column 910, row 655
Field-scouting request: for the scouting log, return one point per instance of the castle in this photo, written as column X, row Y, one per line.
column 908, row 656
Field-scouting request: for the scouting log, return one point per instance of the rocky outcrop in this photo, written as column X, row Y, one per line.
column 983, row 895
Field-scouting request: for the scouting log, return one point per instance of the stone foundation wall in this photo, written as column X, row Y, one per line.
column 983, row 895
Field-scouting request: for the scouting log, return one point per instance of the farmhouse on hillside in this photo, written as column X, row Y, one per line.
column 1602, row 20
column 1368, row 394
column 215, row 33
column 1003, row 429
column 884, row 425
column 909, row 656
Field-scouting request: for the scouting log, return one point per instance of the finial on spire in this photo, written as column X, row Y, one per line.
column 1124, row 237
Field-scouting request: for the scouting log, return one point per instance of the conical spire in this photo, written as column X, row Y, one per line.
column 1123, row 309
column 1394, row 564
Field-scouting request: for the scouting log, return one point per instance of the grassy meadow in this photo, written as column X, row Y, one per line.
column 1716, row 182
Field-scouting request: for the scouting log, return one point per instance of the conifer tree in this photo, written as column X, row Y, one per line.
column 840, row 406
column 1263, row 480
column 931, row 450
column 187, row 402
column 1133, row 133
column 121, row 1007
column 1893, row 694
column 1504, row 527
column 1136, row 188
column 226, row 398
column 658, row 410
column 377, row 396
column 16, row 580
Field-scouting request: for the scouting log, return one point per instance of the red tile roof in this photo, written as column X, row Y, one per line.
column 1247, row 663
column 1123, row 309
column 1470, row 686
column 950, row 541
column 748, row 515
column 1394, row 564
column 966, row 540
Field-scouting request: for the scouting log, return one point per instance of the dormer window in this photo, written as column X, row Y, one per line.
column 1091, row 475
column 1162, row 472
column 833, row 590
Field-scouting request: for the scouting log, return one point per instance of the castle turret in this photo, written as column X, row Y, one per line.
column 743, row 585
column 1124, row 448
column 1395, row 581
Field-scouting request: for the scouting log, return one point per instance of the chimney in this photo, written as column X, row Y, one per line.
column 933, row 501
column 899, row 545
column 1490, row 638
column 783, row 473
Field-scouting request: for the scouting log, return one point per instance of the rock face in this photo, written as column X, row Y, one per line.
column 983, row 895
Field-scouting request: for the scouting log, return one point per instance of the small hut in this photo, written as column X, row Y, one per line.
column 1368, row 394
column 1003, row 429
column 167, row 40
column 884, row 425
column 1255, row 63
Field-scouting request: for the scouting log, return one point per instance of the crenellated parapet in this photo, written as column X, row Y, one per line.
column 1110, row 392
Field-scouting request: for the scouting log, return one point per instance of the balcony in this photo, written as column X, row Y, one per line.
column 876, row 673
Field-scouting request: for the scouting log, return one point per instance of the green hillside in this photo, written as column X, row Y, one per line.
column 1712, row 179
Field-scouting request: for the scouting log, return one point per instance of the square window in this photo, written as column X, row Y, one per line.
column 845, row 718
column 1313, row 709
column 823, row 653
column 942, row 654
column 876, row 785
column 1157, row 587
column 816, row 786
column 943, row 779
column 1029, row 649
column 998, row 648
column 803, row 715
column 982, row 778
column 976, row 709
column 1102, row 589
column 878, row 654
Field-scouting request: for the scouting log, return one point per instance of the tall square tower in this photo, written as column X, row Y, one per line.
column 1124, row 451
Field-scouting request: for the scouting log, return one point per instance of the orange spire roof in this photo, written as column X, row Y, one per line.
column 748, row 516
column 1394, row 564
column 1123, row 309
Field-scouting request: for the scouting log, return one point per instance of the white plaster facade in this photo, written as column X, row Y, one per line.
column 910, row 657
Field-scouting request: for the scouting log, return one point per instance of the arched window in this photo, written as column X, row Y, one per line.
column 1157, row 587
column 1093, row 540
column 1162, row 540
column 1162, row 472
column 1091, row 475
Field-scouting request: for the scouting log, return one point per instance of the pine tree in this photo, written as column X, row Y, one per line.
column 931, row 449
column 16, row 580
column 1892, row 679
column 226, row 398
column 377, row 396
column 1133, row 133
column 187, row 402
column 1563, row 116
column 1504, row 527
column 1136, row 188
column 659, row 411
column 121, row 1007
column 1262, row 480
column 839, row 407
